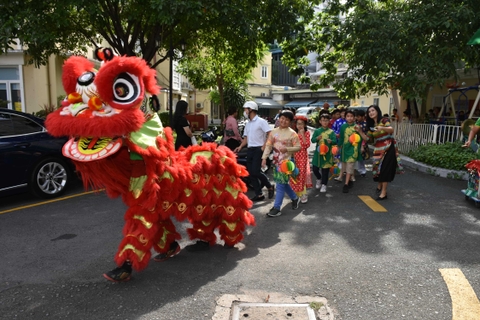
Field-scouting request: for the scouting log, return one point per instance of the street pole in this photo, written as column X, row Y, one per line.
column 170, row 97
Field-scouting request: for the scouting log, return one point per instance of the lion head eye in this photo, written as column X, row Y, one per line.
column 86, row 78
column 126, row 88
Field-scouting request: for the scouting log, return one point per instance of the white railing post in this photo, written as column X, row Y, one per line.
column 435, row 132
column 410, row 136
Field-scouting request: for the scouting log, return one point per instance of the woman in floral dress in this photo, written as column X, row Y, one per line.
column 304, row 179
column 386, row 160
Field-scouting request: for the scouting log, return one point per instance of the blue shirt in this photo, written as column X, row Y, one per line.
column 338, row 124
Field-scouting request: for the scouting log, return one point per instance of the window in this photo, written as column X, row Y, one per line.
column 10, row 88
column 376, row 101
column 17, row 125
column 3, row 95
column 264, row 72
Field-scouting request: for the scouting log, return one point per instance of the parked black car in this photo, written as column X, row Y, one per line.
column 30, row 158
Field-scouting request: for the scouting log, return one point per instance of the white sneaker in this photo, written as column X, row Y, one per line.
column 318, row 184
column 323, row 188
column 339, row 178
column 352, row 178
column 304, row 199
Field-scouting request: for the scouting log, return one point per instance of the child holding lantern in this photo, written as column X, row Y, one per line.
column 351, row 145
column 325, row 150
column 304, row 179
column 284, row 142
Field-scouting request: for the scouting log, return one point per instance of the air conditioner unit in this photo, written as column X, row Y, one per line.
column 263, row 94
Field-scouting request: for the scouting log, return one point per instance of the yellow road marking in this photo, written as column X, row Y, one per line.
column 465, row 304
column 49, row 201
column 372, row 204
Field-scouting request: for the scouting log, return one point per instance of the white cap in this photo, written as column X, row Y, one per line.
column 251, row 105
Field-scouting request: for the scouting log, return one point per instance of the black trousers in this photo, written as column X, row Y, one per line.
column 258, row 179
column 321, row 176
column 232, row 144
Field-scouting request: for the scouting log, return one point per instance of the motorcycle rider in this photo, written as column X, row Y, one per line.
column 254, row 137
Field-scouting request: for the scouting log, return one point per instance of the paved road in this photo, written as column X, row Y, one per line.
column 369, row 265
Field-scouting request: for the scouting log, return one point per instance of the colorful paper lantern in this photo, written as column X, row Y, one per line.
column 354, row 139
column 323, row 149
column 287, row 167
column 334, row 170
column 334, row 150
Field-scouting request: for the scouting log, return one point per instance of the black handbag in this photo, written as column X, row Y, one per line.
column 229, row 133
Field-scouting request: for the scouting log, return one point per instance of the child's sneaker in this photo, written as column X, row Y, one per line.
column 295, row 203
column 274, row 212
column 318, row 184
column 323, row 188
column 304, row 199
column 339, row 178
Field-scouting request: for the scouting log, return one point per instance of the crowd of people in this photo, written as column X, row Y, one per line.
column 340, row 145
column 340, row 148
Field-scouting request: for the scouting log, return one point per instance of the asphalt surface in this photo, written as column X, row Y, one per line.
column 368, row 265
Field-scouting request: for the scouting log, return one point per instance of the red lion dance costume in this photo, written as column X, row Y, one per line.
column 118, row 143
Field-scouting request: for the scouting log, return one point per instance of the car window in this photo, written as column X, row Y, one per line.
column 11, row 124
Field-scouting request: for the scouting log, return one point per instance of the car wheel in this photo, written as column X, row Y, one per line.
column 50, row 178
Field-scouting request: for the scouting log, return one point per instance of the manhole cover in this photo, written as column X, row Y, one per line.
column 277, row 311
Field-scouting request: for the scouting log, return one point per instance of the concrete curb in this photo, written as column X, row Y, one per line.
column 434, row 171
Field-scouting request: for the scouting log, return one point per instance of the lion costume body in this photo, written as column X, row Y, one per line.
column 118, row 143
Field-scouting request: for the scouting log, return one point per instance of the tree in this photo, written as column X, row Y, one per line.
column 141, row 27
column 406, row 45
column 219, row 65
column 225, row 54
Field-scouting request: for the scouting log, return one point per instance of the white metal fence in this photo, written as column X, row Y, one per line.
column 411, row 135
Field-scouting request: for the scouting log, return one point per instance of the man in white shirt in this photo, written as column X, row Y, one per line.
column 255, row 136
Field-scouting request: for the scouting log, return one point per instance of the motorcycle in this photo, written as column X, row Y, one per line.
column 210, row 135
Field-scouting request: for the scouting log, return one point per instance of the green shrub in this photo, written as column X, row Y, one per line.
column 314, row 117
column 45, row 110
column 450, row 155
column 165, row 118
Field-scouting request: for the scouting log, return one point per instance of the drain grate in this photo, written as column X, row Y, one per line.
column 277, row 311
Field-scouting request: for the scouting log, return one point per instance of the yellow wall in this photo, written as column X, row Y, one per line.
column 435, row 95
column 258, row 86
column 257, row 72
column 42, row 85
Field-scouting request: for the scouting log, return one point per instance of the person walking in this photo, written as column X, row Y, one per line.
column 284, row 142
column 231, row 136
column 182, row 126
column 386, row 160
column 304, row 179
column 351, row 143
column 323, row 161
column 254, row 137
column 336, row 127
column 360, row 120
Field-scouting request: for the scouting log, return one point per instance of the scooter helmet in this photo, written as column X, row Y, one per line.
column 251, row 105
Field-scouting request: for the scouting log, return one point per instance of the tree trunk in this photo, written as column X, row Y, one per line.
column 221, row 110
